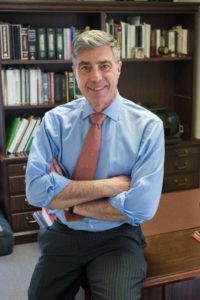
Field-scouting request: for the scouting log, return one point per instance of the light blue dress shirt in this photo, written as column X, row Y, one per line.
column 132, row 144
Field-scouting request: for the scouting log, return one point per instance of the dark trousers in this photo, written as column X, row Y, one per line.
column 113, row 262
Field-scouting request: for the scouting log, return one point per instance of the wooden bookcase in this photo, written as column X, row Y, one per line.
column 163, row 81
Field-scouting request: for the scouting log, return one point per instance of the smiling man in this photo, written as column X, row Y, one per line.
column 100, row 198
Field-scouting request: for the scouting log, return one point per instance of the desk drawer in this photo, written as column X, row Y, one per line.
column 181, row 182
column 23, row 222
column 17, row 184
column 20, row 203
column 182, row 152
column 180, row 165
column 16, row 169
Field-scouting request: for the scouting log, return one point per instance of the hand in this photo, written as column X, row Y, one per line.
column 54, row 167
column 119, row 184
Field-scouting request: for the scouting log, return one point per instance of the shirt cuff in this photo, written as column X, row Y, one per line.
column 118, row 202
column 55, row 185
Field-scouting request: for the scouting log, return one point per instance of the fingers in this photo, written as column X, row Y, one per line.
column 57, row 167
column 54, row 167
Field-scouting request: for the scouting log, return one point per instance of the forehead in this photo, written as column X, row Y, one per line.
column 96, row 55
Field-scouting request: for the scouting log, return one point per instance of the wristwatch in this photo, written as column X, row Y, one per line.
column 70, row 210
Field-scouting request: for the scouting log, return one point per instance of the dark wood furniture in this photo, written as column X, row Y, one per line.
column 163, row 81
column 173, row 255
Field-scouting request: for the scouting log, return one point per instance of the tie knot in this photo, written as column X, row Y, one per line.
column 97, row 118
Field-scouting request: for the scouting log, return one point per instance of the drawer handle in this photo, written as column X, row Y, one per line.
column 181, row 167
column 26, row 201
column 182, row 153
column 30, row 221
column 183, row 183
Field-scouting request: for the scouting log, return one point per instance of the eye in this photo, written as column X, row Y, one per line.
column 105, row 67
column 84, row 69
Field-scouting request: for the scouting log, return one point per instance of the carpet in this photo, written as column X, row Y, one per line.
column 16, row 270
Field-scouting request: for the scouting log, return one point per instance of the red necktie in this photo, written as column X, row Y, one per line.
column 86, row 165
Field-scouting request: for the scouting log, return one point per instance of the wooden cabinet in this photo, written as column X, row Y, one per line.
column 164, row 81
column 182, row 163
column 18, row 210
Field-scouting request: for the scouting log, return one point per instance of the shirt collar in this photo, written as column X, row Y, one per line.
column 112, row 111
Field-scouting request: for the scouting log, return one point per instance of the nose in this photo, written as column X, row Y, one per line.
column 96, row 74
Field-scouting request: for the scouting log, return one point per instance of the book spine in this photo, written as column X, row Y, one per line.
column 51, row 45
column 12, row 41
column 24, row 39
column 32, row 41
column 71, row 85
column 18, row 48
column 45, row 87
column 58, row 88
column 5, row 41
column 41, row 43
column 153, row 43
column 59, row 43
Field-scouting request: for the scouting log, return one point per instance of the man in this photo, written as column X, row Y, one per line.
column 97, row 232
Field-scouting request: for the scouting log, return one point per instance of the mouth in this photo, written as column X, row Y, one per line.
column 97, row 89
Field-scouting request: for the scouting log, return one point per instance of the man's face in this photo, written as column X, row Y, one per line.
column 97, row 75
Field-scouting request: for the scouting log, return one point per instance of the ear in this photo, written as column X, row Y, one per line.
column 119, row 67
column 74, row 69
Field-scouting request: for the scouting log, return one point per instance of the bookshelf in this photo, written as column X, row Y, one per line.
column 165, row 81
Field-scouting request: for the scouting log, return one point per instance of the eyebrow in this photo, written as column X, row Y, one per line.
column 101, row 62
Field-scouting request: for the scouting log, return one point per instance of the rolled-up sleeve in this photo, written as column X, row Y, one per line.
column 141, row 201
column 41, row 185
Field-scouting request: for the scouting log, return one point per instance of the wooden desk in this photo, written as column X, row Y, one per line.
column 172, row 253
column 172, row 257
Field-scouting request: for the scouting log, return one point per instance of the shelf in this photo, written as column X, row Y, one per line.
column 96, row 6
column 34, row 62
column 53, row 62
column 30, row 107
column 22, row 157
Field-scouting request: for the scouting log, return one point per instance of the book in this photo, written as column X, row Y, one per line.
column 32, row 42
column 37, row 215
column 49, row 215
column 59, row 43
column 18, row 136
column 185, row 41
column 4, row 87
column 51, row 89
column 130, row 40
column 12, row 87
column 45, row 88
column 59, row 88
column 24, row 43
column 171, row 41
column 41, row 43
column 15, row 41
column 71, row 84
column 67, row 43
column 11, row 129
column 139, row 36
column 51, row 45
column 12, row 41
column 153, row 50
column 39, row 86
column 23, row 87
column 5, row 41
column 33, row 86
column 29, row 129
column 124, row 26
column 31, row 137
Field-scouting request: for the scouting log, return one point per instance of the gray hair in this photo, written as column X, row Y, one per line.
column 91, row 39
